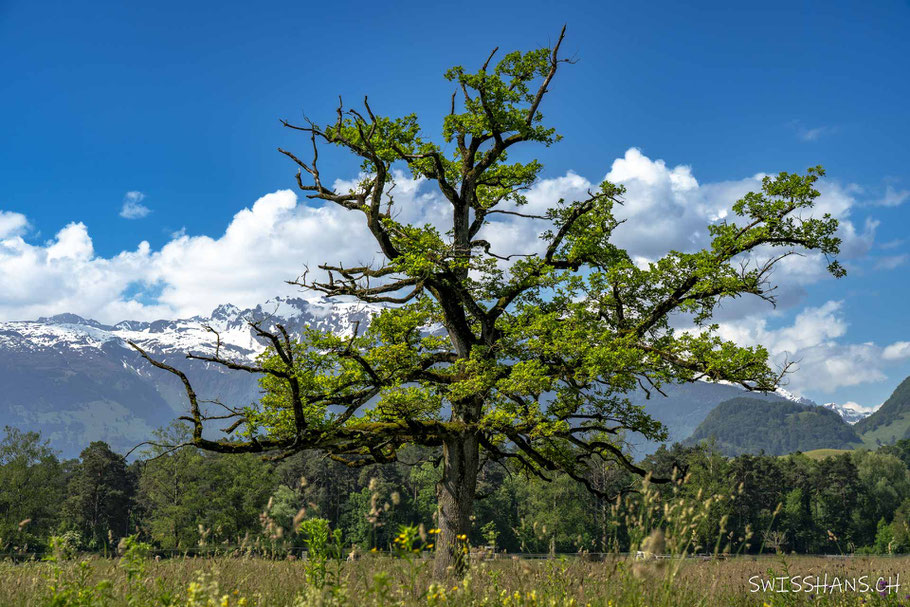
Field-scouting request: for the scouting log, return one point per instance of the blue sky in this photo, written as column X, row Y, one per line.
column 174, row 107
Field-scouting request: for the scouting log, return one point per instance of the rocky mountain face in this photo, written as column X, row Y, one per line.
column 76, row 380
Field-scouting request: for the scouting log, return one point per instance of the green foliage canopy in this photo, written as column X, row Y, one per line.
column 100, row 494
column 536, row 353
column 33, row 483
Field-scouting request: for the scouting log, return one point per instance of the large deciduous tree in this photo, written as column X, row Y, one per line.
column 500, row 354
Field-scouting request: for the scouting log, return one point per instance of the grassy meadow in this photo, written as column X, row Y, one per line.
column 818, row 454
column 383, row 581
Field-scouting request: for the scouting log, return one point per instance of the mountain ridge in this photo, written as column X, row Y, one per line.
column 77, row 380
column 891, row 421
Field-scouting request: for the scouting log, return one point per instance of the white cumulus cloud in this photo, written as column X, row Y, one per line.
column 823, row 361
column 899, row 350
column 12, row 224
column 132, row 206
column 262, row 247
column 278, row 236
column 665, row 207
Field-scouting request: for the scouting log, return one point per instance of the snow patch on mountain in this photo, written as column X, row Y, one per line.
column 796, row 398
column 197, row 334
column 76, row 380
column 850, row 411
column 781, row 392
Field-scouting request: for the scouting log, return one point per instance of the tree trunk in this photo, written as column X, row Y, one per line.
column 455, row 496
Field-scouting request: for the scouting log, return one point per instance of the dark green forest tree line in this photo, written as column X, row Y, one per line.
column 191, row 501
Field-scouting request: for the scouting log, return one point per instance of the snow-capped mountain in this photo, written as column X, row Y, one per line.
column 849, row 412
column 77, row 380
column 191, row 334
column 799, row 400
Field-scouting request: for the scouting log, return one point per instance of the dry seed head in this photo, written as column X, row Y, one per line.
column 298, row 518
column 654, row 543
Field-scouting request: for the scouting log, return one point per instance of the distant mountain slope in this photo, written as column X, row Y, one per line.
column 77, row 380
column 891, row 422
column 687, row 405
column 749, row 425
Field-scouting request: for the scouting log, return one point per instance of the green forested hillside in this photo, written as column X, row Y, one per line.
column 892, row 420
column 682, row 407
column 749, row 425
